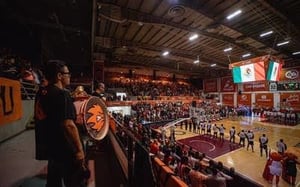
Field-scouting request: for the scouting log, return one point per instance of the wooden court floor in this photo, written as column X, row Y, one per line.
column 251, row 164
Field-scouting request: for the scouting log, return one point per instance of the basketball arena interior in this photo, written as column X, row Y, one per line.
column 195, row 91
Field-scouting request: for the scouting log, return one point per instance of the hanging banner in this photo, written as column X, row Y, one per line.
column 227, row 84
column 244, row 99
column 10, row 101
column 264, row 100
column 255, row 86
column 290, row 74
column 228, row 99
column 291, row 100
column 210, row 85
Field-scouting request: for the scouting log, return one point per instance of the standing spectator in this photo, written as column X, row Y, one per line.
column 281, row 147
column 190, row 125
column 154, row 147
column 196, row 177
column 203, row 127
column 221, row 131
column 216, row 179
column 215, row 130
column 242, row 136
column 66, row 158
column 232, row 135
column 263, row 145
column 250, row 137
column 208, row 129
column 290, row 168
column 99, row 91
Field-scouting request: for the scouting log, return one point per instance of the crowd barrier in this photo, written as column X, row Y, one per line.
column 15, row 113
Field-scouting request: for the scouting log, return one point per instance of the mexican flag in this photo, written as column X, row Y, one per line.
column 274, row 71
column 249, row 72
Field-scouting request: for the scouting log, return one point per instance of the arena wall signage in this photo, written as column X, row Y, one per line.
column 244, row 99
column 288, row 86
column 292, row 100
column 227, row 84
column 264, row 99
column 10, row 101
column 273, row 86
column 210, row 85
column 228, row 99
column 290, row 74
column 255, row 86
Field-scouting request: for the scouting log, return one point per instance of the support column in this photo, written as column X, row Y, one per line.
column 99, row 70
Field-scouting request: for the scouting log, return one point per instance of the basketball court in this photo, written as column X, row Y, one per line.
column 247, row 163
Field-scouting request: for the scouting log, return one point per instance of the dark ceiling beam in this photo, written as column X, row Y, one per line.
column 54, row 26
column 135, row 60
column 132, row 61
column 136, row 16
column 190, row 54
column 278, row 11
column 195, row 5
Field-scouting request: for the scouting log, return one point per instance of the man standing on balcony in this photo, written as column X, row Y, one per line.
column 99, row 91
column 56, row 113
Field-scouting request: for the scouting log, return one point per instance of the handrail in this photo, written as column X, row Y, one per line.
column 119, row 153
column 28, row 90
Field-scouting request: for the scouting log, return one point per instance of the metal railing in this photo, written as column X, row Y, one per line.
column 28, row 90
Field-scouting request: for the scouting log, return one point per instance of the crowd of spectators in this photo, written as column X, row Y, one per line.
column 16, row 67
column 191, row 166
column 154, row 89
column 162, row 111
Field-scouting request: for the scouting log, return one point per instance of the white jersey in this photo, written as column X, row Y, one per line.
column 215, row 128
column 250, row 136
column 222, row 129
column 281, row 147
column 242, row 135
column 232, row 132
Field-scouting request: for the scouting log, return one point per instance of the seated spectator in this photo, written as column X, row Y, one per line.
column 196, row 177
column 216, row 179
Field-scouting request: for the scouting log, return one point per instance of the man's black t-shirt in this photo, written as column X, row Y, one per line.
column 58, row 106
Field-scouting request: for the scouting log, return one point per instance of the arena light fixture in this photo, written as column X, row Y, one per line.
column 266, row 33
column 165, row 53
column 283, row 43
column 296, row 53
column 193, row 37
column 228, row 49
column 234, row 14
column 246, row 55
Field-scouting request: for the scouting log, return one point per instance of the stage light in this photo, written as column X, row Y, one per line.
column 266, row 33
column 228, row 49
column 165, row 53
column 283, row 43
column 246, row 55
column 234, row 14
column 193, row 37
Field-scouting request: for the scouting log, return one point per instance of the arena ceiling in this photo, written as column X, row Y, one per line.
column 136, row 33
